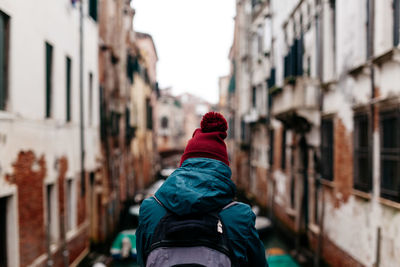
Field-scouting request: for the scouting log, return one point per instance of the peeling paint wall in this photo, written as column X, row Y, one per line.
column 35, row 151
column 345, row 81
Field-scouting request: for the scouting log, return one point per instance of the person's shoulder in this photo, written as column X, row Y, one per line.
column 147, row 204
column 150, row 214
column 241, row 208
column 239, row 216
column 149, row 207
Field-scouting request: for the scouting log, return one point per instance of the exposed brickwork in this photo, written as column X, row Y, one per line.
column 261, row 193
column 81, row 202
column 77, row 245
column 75, row 248
column 28, row 174
column 63, row 167
column 242, row 170
column 277, row 148
column 343, row 158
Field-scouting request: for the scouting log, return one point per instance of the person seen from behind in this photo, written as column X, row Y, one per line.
column 192, row 219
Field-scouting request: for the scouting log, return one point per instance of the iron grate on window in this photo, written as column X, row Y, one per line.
column 362, row 154
column 327, row 148
column 390, row 154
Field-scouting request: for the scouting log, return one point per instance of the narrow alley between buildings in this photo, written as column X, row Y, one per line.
column 97, row 111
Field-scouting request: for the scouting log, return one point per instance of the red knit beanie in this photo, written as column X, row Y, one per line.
column 208, row 141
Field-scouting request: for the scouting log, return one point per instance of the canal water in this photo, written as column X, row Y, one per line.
column 276, row 245
column 273, row 241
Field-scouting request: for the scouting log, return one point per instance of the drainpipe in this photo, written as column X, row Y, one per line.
column 374, row 126
column 81, row 115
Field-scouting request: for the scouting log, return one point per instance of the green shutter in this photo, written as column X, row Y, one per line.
column 93, row 9
column 49, row 63
column 3, row 60
column 149, row 114
column 68, row 89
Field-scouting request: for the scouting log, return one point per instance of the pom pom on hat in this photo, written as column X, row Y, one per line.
column 213, row 122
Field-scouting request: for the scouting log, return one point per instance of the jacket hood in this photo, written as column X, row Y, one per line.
column 200, row 185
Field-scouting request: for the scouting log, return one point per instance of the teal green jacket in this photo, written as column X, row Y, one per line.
column 203, row 185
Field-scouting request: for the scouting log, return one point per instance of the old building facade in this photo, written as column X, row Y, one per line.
column 144, row 93
column 170, row 129
column 325, row 161
column 48, row 108
column 128, row 88
column 116, row 185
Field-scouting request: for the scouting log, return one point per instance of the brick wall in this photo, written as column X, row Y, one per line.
column 261, row 189
column 343, row 162
column 28, row 174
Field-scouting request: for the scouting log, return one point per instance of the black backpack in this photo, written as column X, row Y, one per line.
column 191, row 240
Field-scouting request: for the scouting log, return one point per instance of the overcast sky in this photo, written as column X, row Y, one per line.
column 193, row 38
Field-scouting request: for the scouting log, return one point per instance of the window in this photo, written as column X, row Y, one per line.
column 283, row 158
column 90, row 98
column 370, row 28
column 68, row 89
column 327, row 148
column 293, row 61
column 93, row 9
column 244, row 134
column 164, row 122
column 270, row 84
column 4, row 38
column 149, row 115
column 49, row 79
column 333, row 23
column 254, row 97
column 267, row 35
column 231, row 128
column 396, row 22
column 70, row 207
column 3, row 231
column 362, row 154
column 51, row 213
column 390, row 155
column 271, row 147
column 260, row 45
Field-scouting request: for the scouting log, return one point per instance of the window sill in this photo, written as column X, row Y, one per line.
column 327, row 183
column 389, row 203
column 361, row 194
column 5, row 115
column 71, row 234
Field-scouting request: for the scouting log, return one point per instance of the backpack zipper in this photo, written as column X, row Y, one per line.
column 219, row 227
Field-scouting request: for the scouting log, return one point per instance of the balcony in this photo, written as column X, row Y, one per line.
column 298, row 104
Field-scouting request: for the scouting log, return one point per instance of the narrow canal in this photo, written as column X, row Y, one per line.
column 277, row 246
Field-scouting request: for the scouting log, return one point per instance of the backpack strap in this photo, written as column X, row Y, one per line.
column 230, row 205
column 159, row 202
